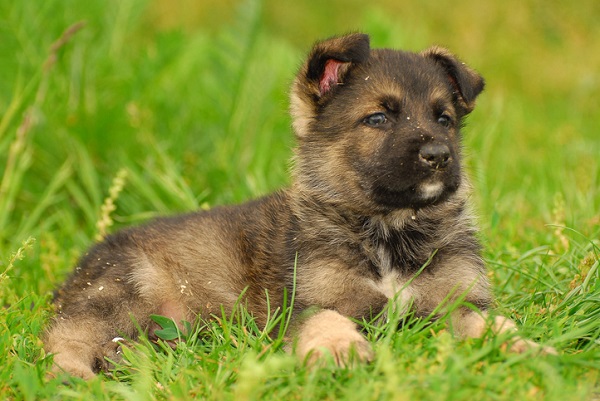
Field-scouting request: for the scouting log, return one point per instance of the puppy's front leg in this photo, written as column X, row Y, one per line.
column 468, row 323
column 329, row 332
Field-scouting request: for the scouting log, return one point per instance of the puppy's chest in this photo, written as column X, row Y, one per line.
column 398, row 251
column 396, row 256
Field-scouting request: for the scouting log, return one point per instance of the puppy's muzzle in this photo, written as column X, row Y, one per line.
column 435, row 155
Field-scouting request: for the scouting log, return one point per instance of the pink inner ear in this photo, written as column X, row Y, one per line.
column 330, row 75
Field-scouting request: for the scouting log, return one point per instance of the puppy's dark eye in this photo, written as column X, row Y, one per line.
column 445, row 120
column 375, row 120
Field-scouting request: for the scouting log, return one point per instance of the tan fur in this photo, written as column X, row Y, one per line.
column 377, row 211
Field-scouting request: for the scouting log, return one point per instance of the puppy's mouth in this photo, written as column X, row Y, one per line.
column 420, row 195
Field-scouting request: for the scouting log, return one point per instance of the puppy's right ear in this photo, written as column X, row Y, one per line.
column 466, row 82
column 326, row 68
column 331, row 59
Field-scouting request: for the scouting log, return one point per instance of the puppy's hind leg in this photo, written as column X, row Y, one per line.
column 78, row 345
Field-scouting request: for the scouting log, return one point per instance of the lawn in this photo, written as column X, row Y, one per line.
column 115, row 111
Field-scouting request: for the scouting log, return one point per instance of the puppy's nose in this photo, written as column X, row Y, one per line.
column 435, row 155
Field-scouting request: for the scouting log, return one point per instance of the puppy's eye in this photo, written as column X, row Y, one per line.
column 375, row 120
column 445, row 120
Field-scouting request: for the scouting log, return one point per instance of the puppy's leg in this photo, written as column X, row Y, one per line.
column 329, row 332
column 468, row 323
column 78, row 346
column 83, row 338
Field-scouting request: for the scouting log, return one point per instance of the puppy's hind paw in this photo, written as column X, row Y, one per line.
column 113, row 353
column 72, row 366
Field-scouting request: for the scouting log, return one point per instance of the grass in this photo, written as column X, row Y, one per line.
column 154, row 107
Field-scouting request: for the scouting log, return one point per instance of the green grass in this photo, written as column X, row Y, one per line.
column 158, row 107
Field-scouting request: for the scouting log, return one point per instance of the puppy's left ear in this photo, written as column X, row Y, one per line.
column 325, row 70
column 467, row 83
column 330, row 60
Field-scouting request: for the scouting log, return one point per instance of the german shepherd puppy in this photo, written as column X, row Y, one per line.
column 377, row 211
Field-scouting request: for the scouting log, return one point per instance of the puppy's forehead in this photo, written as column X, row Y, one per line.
column 405, row 74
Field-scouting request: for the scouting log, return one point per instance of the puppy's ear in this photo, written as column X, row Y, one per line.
column 330, row 60
column 327, row 67
column 466, row 82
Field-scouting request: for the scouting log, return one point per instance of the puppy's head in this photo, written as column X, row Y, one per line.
column 378, row 129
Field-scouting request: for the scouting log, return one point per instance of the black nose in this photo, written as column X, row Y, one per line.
column 435, row 155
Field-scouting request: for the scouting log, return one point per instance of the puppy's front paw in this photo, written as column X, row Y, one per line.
column 470, row 324
column 517, row 344
column 520, row 345
column 329, row 333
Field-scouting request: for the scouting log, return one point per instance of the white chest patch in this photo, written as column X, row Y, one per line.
column 394, row 288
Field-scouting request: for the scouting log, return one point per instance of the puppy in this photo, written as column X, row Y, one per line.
column 377, row 211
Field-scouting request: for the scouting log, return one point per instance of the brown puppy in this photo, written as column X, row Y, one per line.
column 378, row 192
